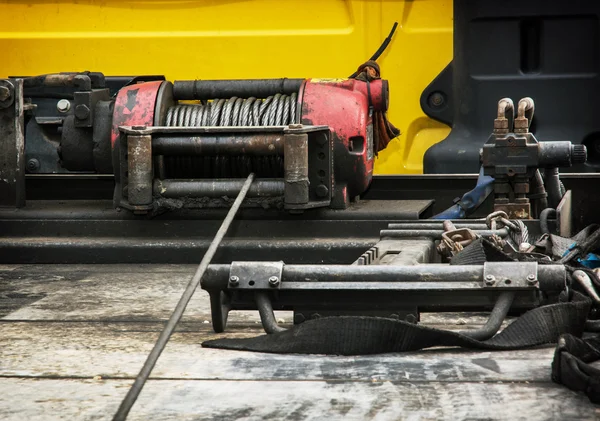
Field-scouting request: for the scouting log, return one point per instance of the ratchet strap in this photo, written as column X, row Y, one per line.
column 354, row 335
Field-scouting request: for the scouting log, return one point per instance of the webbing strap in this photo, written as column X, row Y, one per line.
column 352, row 335
column 571, row 368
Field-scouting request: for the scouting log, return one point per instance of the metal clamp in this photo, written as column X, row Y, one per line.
column 510, row 274
column 255, row 275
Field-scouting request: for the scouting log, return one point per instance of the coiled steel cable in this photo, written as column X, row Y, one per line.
column 277, row 110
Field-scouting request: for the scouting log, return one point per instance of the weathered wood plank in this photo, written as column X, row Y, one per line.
column 48, row 400
column 118, row 350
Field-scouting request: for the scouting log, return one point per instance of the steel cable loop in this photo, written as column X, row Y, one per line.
column 277, row 110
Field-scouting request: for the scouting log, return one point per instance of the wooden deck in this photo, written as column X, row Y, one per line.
column 72, row 338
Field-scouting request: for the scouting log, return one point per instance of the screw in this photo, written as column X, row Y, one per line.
column 295, row 126
column 273, row 281
column 234, row 281
column 315, row 316
column 82, row 112
column 63, row 105
column 33, row 165
column 436, row 100
column 4, row 93
column 490, row 280
column 138, row 127
column 531, row 279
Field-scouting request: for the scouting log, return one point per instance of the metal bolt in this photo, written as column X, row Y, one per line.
column 490, row 279
column 4, row 93
column 436, row 99
column 33, row 165
column 322, row 190
column 531, row 279
column 138, row 127
column 234, row 281
column 315, row 316
column 63, row 105
column 273, row 281
column 82, row 112
column 295, row 126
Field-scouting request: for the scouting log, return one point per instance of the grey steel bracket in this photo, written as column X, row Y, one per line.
column 510, row 275
column 255, row 275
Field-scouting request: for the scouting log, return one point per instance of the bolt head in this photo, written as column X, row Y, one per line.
column 273, row 281
column 322, row 190
column 295, row 126
column 489, row 278
column 82, row 112
column 63, row 105
column 234, row 281
column 33, row 165
column 436, row 100
column 4, row 93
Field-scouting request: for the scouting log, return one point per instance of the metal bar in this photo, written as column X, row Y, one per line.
column 12, row 145
column 381, row 285
column 216, row 144
column 265, row 310
column 551, row 277
column 216, row 188
column 160, row 344
column 139, row 165
column 435, row 225
column 243, row 88
column 497, row 316
column 296, row 169
column 436, row 234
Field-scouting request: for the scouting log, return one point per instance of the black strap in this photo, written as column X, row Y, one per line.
column 372, row 335
column 353, row 335
column 571, row 368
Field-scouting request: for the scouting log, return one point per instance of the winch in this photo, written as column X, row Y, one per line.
column 309, row 142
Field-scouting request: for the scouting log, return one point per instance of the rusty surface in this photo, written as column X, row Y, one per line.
column 139, row 162
column 296, row 168
column 343, row 105
column 514, row 210
column 12, row 149
column 134, row 106
column 216, row 144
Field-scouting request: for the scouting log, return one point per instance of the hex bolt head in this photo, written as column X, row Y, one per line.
column 63, row 106
column 82, row 112
column 234, row 281
column 273, row 281
column 138, row 127
column 436, row 100
column 33, row 165
column 295, row 126
column 4, row 93
column 322, row 190
column 490, row 280
column 531, row 279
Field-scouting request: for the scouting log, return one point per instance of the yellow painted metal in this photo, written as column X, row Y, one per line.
column 219, row 39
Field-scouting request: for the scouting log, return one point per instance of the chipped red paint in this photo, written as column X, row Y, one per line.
column 343, row 105
column 134, row 106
